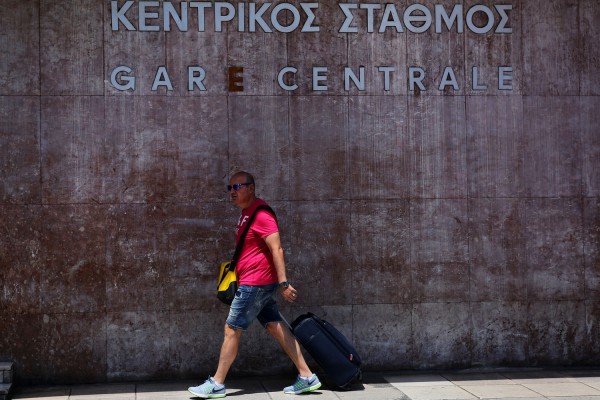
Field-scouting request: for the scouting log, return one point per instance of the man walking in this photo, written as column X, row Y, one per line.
column 261, row 273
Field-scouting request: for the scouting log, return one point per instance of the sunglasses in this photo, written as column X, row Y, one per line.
column 237, row 186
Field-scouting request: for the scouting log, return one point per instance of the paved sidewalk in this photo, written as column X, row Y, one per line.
column 521, row 384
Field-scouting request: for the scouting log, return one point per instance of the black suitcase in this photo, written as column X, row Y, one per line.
column 329, row 348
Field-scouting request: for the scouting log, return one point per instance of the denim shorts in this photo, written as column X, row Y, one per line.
column 253, row 302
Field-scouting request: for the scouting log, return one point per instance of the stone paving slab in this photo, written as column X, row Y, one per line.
column 549, row 389
column 42, row 393
column 502, row 391
column 117, row 391
column 417, row 380
column 516, row 384
column 452, row 385
column 164, row 390
column 450, row 392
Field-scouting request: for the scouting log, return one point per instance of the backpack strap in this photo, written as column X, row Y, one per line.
column 240, row 244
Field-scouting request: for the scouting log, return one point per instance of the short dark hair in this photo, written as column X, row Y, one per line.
column 247, row 175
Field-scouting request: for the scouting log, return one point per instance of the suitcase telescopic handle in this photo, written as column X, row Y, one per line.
column 285, row 321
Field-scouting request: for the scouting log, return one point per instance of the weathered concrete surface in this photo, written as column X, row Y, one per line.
column 20, row 151
column 20, row 67
column 551, row 47
column 71, row 44
column 435, row 228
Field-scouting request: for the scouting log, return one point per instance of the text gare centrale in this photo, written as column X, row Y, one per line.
column 153, row 16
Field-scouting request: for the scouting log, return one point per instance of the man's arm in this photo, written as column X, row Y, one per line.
column 273, row 242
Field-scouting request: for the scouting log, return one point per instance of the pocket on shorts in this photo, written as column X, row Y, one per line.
column 245, row 292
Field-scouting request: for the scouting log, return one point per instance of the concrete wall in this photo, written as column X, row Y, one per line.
column 437, row 228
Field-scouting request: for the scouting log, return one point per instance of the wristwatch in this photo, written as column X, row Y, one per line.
column 284, row 284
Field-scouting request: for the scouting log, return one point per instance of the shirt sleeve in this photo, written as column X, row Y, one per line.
column 264, row 224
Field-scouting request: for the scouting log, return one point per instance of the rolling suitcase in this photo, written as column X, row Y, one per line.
column 329, row 348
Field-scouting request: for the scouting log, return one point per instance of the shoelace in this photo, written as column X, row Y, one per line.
column 301, row 383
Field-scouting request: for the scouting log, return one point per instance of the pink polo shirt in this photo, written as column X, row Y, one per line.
column 255, row 266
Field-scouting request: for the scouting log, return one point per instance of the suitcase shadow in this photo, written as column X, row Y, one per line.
column 352, row 387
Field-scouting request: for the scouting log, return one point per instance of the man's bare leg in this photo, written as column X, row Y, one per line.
column 291, row 347
column 229, row 351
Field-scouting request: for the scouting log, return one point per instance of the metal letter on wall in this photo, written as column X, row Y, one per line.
column 236, row 80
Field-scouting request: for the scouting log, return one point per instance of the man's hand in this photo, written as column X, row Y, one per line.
column 289, row 293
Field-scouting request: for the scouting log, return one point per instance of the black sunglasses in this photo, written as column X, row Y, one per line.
column 237, row 186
